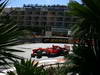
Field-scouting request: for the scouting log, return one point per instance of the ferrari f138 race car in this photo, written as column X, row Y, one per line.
column 53, row 51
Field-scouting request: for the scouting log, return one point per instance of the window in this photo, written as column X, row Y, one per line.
column 27, row 22
column 51, row 23
column 59, row 23
column 43, row 18
column 37, row 13
column 20, row 17
column 35, row 18
column 67, row 19
column 21, row 12
column 51, row 19
column 36, row 23
column 75, row 19
column 44, row 13
column 67, row 25
column 29, row 12
column 60, row 13
column 20, row 22
column 60, row 19
column 48, row 28
column 15, row 17
column 28, row 18
column 14, row 13
column 52, row 13
column 43, row 23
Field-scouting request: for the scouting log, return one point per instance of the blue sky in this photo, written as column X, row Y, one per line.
column 19, row 3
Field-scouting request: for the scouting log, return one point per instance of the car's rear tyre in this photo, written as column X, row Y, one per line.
column 39, row 56
column 32, row 55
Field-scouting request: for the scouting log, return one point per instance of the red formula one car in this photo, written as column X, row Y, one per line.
column 50, row 52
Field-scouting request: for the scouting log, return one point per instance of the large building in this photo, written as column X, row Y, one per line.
column 43, row 20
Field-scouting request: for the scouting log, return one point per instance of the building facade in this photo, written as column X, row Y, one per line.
column 43, row 20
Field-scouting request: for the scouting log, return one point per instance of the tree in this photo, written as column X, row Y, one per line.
column 8, row 36
column 88, row 32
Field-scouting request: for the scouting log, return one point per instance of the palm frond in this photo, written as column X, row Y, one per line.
column 2, row 5
column 93, row 5
column 87, row 31
column 28, row 67
column 80, row 10
column 8, row 36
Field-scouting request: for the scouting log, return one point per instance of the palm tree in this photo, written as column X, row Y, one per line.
column 8, row 36
column 89, row 33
